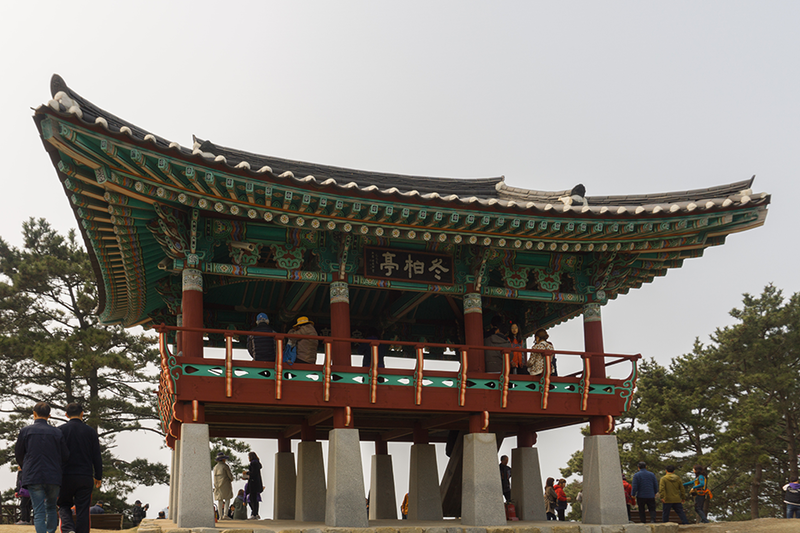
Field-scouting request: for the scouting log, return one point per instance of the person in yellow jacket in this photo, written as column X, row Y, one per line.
column 672, row 495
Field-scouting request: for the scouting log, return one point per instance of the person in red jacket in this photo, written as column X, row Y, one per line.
column 629, row 501
column 561, row 506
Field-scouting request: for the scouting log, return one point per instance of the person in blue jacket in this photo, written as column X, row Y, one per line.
column 41, row 451
column 644, row 489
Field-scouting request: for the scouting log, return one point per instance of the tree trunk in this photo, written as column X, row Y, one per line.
column 791, row 435
column 755, row 488
column 94, row 397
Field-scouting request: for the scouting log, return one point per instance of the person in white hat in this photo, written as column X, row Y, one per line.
column 261, row 348
column 223, row 488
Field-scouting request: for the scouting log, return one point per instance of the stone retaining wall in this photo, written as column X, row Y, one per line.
column 152, row 527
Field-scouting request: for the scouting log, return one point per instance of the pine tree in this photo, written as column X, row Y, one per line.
column 53, row 348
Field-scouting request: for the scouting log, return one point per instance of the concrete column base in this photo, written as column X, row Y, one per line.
column 173, row 482
column 345, row 504
column 424, row 498
column 310, row 496
column 195, row 493
column 382, row 501
column 526, row 484
column 603, row 495
column 481, row 489
column 285, row 487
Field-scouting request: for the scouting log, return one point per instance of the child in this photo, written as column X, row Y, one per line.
column 239, row 507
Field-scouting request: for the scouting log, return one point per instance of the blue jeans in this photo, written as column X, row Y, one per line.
column 45, row 513
column 792, row 511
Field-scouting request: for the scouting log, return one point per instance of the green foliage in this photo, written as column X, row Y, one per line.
column 732, row 405
column 228, row 447
column 53, row 348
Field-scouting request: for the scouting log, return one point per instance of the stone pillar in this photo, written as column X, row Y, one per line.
column 593, row 339
column 345, row 504
column 526, row 484
column 310, row 496
column 192, row 308
column 382, row 500
column 603, row 496
column 285, row 493
column 340, row 322
column 195, row 495
column 473, row 329
column 424, row 498
column 174, row 487
column 481, row 490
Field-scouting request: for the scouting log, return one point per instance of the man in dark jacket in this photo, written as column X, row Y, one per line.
column 82, row 473
column 41, row 451
column 644, row 489
column 262, row 348
column 494, row 358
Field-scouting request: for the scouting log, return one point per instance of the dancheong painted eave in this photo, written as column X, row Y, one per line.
column 125, row 183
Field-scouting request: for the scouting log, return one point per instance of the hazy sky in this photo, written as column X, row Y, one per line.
column 624, row 97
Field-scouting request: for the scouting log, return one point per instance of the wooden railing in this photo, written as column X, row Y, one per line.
column 505, row 376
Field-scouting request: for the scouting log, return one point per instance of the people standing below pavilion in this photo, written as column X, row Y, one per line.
column 41, row 451
column 139, row 512
column 260, row 347
column 518, row 358
column 494, row 358
column 699, row 491
column 536, row 363
column 791, row 497
column 672, row 495
column 644, row 489
column 306, row 348
column 550, row 499
column 255, row 485
column 505, row 478
column 223, row 485
column 239, row 506
column 627, row 488
column 24, row 501
column 82, row 473
column 561, row 505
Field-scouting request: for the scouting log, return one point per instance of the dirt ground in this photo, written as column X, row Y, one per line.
column 762, row 525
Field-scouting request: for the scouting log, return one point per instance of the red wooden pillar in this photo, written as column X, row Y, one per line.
column 178, row 335
column 420, row 434
column 593, row 339
column 284, row 445
column 340, row 321
column 381, row 446
column 526, row 437
column 473, row 329
column 593, row 342
column 478, row 422
column 192, row 310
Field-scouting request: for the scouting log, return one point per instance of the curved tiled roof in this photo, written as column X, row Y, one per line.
column 481, row 191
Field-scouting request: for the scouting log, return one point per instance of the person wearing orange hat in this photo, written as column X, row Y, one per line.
column 306, row 348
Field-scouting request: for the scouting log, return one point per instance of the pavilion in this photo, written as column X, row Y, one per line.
column 195, row 241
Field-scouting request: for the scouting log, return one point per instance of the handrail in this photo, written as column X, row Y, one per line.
column 352, row 340
column 462, row 349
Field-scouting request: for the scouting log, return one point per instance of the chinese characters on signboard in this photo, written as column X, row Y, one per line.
column 404, row 265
